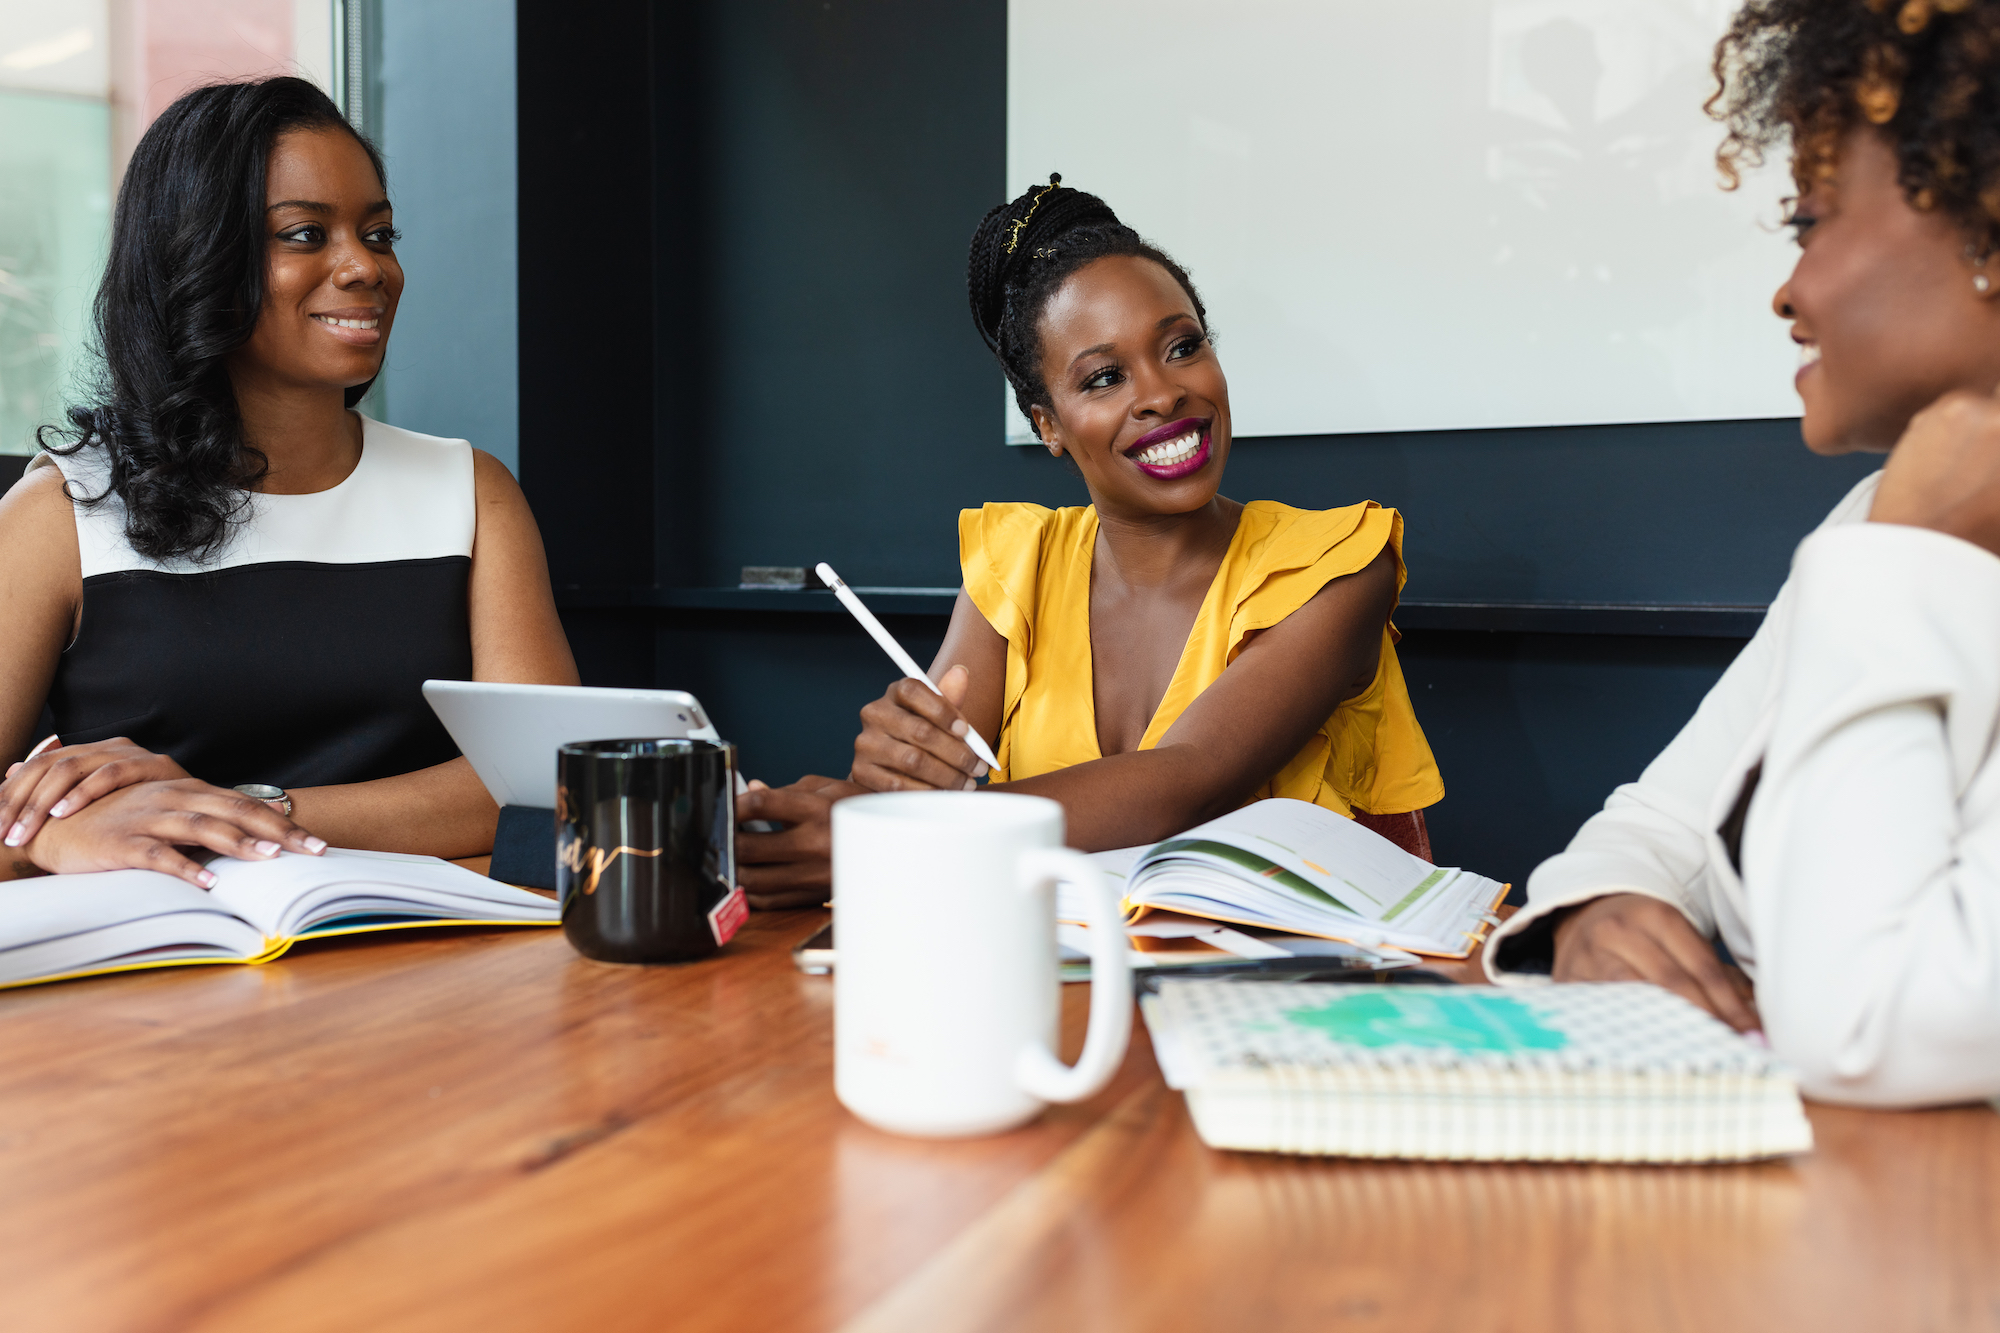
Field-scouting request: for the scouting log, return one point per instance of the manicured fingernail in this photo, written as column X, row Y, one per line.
column 960, row 727
column 970, row 785
column 980, row 771
column 16, row 836
column 315, row 845
column 205, row 878
column 265, row 847
column 59, row 809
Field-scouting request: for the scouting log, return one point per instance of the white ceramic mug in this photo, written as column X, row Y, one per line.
column 945, row 995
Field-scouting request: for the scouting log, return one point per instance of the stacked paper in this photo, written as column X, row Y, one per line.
column 1614, row 1073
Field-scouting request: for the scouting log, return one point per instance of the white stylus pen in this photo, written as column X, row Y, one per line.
column 894, row 649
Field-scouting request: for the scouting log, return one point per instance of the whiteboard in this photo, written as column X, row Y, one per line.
column 1424, row 216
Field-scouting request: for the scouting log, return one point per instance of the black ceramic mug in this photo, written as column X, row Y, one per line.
column 646, row 849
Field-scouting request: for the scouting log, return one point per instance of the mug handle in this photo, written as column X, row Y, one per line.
column 1036, row 1068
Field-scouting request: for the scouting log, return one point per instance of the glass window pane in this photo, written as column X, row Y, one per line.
column 55, row 219
column 79, row 82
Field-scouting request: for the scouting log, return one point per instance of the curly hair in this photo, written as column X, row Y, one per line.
column 1926, row 72
column 182, row 290
column 1022, row 253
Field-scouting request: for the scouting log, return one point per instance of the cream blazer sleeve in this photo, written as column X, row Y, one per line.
column 1652, row 836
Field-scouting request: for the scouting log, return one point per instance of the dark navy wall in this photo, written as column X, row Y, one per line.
column 788, row 374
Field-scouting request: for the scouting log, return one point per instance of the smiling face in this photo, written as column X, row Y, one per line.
column 1139, row 398
column 1884, row 304
column 331, row 276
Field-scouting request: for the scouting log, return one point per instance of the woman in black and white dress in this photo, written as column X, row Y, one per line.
column 221, row 574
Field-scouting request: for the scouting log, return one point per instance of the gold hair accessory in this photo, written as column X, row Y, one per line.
column 1014, row 230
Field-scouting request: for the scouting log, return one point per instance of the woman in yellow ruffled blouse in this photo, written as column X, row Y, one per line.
column 1164, row 654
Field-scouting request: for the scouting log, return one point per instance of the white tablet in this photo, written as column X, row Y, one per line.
column 510, row 732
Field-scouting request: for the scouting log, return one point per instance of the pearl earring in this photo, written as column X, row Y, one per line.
column 1980, row 283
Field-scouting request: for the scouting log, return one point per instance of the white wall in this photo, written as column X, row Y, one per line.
column 1411, row 216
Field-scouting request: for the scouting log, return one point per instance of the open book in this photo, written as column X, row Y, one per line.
column 1292, row 866
column 62, row 926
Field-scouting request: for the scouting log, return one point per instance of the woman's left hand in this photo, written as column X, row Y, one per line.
column 61, row 780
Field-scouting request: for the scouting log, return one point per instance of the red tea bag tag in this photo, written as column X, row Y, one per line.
column 728, row 916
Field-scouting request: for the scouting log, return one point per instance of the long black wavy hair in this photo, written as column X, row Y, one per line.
column 1023, row 252
column 182, row 290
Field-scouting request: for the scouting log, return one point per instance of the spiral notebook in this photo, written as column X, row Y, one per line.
column 1619, row 1072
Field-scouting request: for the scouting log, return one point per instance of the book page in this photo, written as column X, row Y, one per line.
column 1348, row 867
column 66, row 923
column 293, row 893
column 1116, row 865
column 1294, row 866
column 1331, row 851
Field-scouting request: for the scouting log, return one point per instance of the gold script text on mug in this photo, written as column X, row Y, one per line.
column 574, row 858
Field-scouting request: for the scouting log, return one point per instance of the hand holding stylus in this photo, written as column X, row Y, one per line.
column 914, row 739
column 901, row 658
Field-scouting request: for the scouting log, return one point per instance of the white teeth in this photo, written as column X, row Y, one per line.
column 1168, row 452
column 347, row 323
column 1808, row 353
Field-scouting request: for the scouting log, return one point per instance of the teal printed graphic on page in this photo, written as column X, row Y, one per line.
column 1497, row 1023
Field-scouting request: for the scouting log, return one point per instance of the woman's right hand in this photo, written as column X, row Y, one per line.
column 1944, row 474
column 1633, row 937
column 145, row 826
column 911, row 739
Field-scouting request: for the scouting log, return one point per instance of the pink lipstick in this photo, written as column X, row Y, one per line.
column 1176, row 449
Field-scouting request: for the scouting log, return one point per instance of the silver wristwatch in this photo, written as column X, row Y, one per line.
column 276, row 797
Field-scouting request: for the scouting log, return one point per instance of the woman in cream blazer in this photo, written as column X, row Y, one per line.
column 1832, row 811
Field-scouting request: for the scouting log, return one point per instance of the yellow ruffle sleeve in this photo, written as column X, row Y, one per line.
column 1001, row 550
column 1370, row 754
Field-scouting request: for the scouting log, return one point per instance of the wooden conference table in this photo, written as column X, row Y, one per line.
column 480, row 1130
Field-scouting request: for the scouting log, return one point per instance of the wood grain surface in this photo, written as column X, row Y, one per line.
column 481, row 1130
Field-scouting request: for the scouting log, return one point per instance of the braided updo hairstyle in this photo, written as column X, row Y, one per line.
column 1022, row 254
column 1925, row 72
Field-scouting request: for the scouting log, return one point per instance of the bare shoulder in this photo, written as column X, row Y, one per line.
column 45, row 484
column 491, row 481
column 38, row 525
column 971, row 641
column 968, row 619
column 1345, row 616
column 41, row 589
column 505, row 541
column 502, row 508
